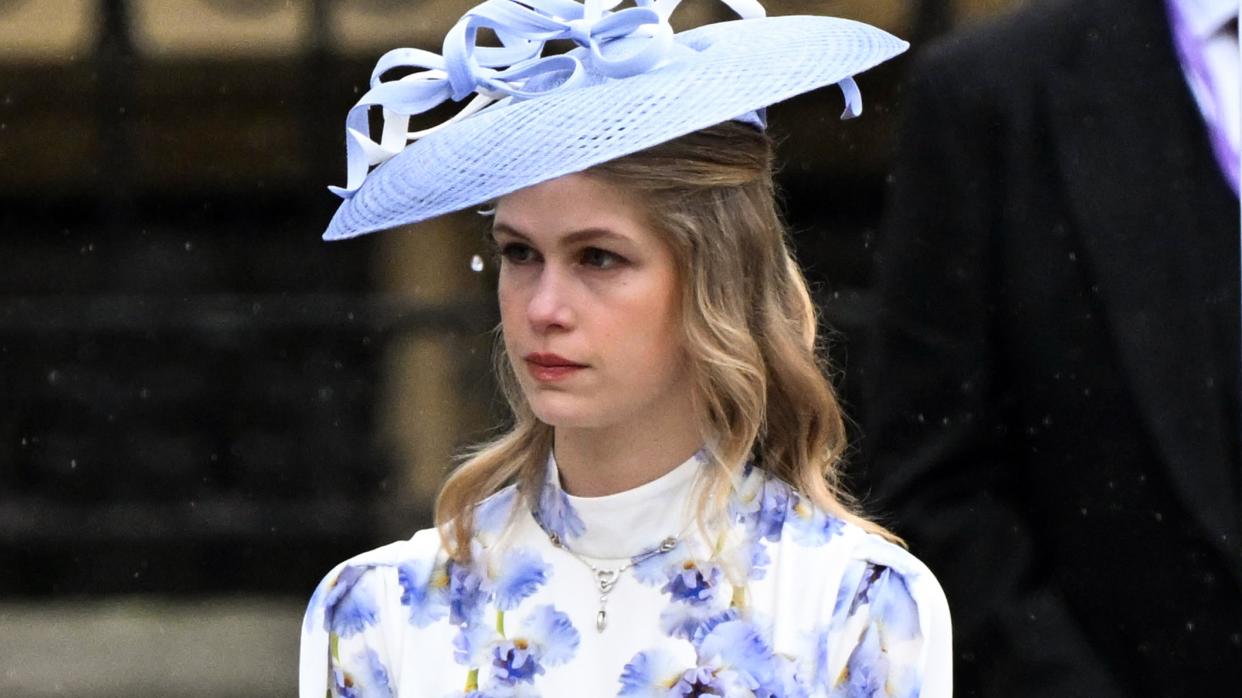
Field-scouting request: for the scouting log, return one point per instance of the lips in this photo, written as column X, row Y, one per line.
column 551, row 367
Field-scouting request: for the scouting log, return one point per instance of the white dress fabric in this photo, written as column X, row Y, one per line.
column 773, row 598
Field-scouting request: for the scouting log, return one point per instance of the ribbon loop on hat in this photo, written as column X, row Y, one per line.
column 621, row 43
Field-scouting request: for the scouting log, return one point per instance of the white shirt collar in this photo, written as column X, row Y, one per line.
column 627, row 523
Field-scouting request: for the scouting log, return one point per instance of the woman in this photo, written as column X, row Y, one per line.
column 662, row 518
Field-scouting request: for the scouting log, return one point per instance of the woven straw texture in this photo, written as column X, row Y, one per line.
column 736, row 67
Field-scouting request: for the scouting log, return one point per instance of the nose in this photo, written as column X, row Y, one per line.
column 549, row 308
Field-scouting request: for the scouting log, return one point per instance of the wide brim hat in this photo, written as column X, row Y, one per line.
column 578, row 114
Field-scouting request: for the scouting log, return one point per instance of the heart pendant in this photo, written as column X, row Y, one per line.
column 606, row 579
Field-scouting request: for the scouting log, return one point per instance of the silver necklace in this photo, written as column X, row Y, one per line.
column 606, row 577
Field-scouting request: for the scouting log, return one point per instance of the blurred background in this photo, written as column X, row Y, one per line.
column 202, row 405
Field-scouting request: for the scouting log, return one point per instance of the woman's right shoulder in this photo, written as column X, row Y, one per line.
column 423, row 549
column 349, row 595
column 410, row 561
column 356, row 619
column 365, row 608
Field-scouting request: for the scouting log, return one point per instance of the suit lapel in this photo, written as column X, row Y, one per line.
column 1137, row 166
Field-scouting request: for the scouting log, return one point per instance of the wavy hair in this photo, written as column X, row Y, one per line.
column 760, row 380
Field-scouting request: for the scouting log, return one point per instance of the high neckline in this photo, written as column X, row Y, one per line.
column 624, row 524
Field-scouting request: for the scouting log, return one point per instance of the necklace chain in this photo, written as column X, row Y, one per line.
column 606, row 577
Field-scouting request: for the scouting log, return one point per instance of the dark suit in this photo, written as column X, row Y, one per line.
column 1052, row 417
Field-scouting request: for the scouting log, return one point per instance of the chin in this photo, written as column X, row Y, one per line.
column 565, row 412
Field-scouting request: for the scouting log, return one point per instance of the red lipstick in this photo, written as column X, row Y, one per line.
column 550, row 367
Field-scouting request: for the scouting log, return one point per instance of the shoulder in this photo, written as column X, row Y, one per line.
column 356, row 614
column 409, row 572
column 890, row 626
column 368, row 607
column 872, row 603
column 779, row 514
column 878, row 616
column 354, row 582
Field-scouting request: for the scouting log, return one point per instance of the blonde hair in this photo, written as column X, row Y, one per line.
column 750, row 328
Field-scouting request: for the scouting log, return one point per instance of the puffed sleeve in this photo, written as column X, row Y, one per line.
column 890, row 633
column 352, row 629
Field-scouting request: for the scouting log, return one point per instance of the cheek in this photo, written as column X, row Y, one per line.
column 509, row 299
column 511, row 314
column 654, row 333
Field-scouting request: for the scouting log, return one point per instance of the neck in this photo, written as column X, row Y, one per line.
column 597, row 462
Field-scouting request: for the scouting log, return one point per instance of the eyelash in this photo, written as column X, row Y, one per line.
column 509, row 252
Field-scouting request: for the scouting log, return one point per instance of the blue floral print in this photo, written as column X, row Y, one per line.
column 521, row 572
column 370, row 681
column 733, row 660
column 473, row 642
column 467, row 593
column 693, row 582
column 651, row 675
column 555, row 513
column 355, row 610
column 491, row 514
column 505, row 628
column 761, row 505
column 425, row 587
column 548, row 638
column 810, row 525
column 685, row 621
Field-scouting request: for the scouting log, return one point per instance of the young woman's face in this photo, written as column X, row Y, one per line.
column 590, row 304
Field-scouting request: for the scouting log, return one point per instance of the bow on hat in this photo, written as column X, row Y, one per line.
column 491, row 73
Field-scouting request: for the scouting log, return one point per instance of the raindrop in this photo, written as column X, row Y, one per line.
column 53, row 377
column 189, row 246
column 73, row 463
column 144, row 393
column 476, row 264
column 1159, row 517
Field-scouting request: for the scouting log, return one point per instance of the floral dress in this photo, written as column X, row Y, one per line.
column 776, row 599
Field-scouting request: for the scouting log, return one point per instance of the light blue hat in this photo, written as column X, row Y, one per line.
column 630, row 84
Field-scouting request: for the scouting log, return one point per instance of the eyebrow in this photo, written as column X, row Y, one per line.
column 576, row 237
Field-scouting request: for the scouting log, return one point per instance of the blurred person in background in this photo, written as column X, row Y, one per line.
column 1052, row 415
column 661, row 517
